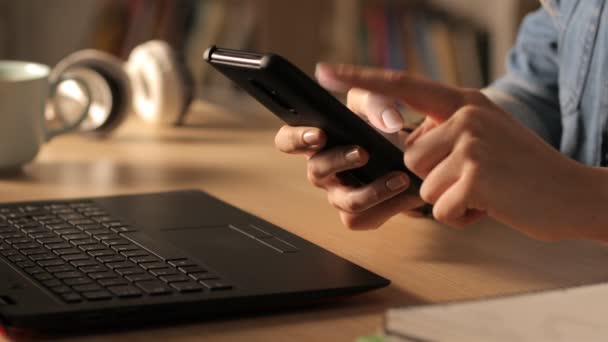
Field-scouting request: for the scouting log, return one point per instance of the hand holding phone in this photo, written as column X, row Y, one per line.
column 299, row 101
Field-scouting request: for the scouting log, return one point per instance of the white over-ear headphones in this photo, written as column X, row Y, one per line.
column 153, row 83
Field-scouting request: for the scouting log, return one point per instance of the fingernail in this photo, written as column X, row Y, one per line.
column 353, row 156
column 396, row 183
column 392, row 119
column 311, row 138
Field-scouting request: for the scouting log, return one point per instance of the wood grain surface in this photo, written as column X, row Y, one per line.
column 230, row 154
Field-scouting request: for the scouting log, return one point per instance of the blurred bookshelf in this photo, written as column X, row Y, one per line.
column 459, row 42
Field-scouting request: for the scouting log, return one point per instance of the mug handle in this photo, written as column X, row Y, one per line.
column 50, row 134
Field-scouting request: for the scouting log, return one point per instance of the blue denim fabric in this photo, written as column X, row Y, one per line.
column 557, row 77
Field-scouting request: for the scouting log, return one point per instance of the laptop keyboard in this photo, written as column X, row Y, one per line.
column 80, row 253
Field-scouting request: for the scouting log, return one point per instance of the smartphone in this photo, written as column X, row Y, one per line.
column 298, row 100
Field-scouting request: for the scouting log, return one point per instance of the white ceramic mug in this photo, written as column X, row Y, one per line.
column 24, row 93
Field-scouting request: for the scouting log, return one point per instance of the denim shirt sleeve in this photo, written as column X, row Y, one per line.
column 529, row 89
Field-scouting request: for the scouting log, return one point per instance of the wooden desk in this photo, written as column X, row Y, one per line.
column 232, row 156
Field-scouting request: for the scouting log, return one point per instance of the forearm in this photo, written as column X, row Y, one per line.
column 588, row 210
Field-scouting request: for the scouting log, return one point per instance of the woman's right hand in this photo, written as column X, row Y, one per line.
column 364, row 207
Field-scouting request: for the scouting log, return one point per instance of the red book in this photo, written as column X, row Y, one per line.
column 376, row 21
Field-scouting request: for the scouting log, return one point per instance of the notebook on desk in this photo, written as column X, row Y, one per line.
column 574, row 314
column 138, row 259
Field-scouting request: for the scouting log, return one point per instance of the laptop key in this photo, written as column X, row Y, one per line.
column 97, row 295
column 87, row 288
column 27, row 245
column 73, row 257
column 77, row 281
column 181, row 263
column 51, row 221
column 129, row 271
column 110, row 258
column 49, row 240
column 112, row 282
column 71, row 297
column 157, row 272
column 186, row 286
column 9, row 252
column 42, row 276
column 123, row 248
column 61, row 268
column 51, row 282
column 95, row 247
column 34, row 230
column 138, row 277
column 145, row 259
column 66, row 251
column 216, row 285
column 61, row 289
column 152, row 265
column 192, row 269
column 94, row 268
column 115, row 242
column 60, row 245
column 34, row 251
column 33, row 270
column 59, row 226
column 124, row 229
column 69, row 274
column 106, row 236
column 30, row 224
column 67, row 231
column 125, row 291
column 50, row 262
column 174, row 278
column 24, row 264
column 13, row 235
column 44, row 235
column 101, row 253
column 70, row 217
column 86, row 241
column 17, row 258
column 102, row 275
column 134, row 253
column 87, row 227
column 153, row 287
column 17, row 240
column 82, row 221
column 121, row 264
column 98, row 231
column 82, row 263
column 71, row 237
column 43, row 257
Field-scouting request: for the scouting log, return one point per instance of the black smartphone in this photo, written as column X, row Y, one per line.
column 300, row 101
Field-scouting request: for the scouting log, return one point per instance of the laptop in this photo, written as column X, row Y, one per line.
column 137, row 259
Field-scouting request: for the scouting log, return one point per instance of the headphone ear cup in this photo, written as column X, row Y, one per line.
column 161, row 85
column 102, row 71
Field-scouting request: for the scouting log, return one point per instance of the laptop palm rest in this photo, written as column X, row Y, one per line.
column 243, row 259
